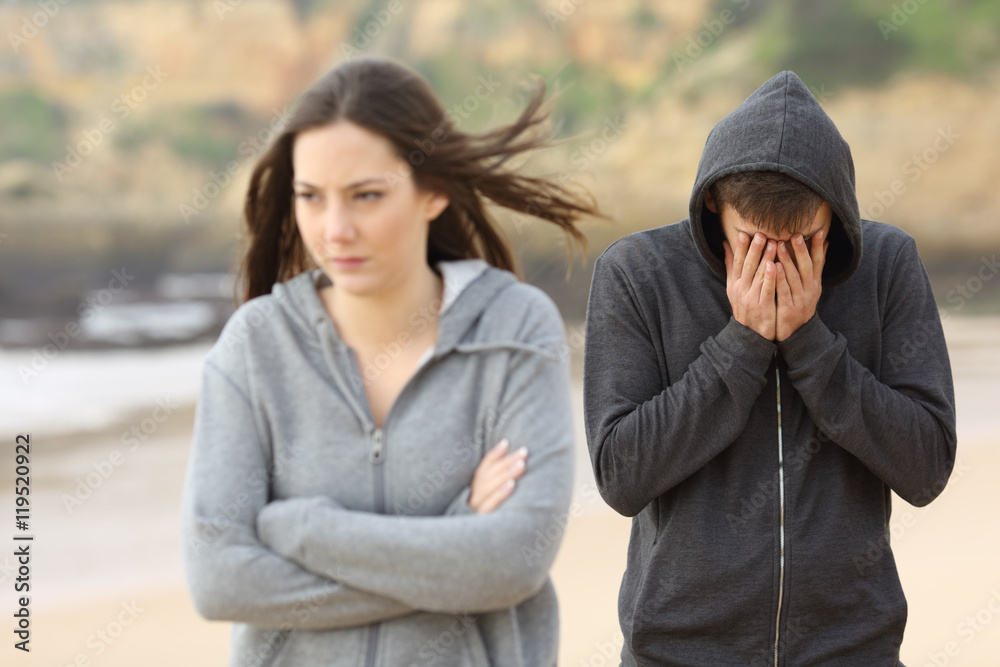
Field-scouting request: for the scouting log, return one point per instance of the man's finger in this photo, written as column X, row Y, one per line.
column 740, row 254
column 782, row 287
column 805, row 269
column 818, row 253
column 752, row 262
column 758, row 278
column 729, row 262
column 767, row 286
column 788, row 270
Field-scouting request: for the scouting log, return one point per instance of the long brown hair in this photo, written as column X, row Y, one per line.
column 392, row 100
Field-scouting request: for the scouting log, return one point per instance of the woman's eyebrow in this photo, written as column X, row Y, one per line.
column 364, row 181
column 349, row 186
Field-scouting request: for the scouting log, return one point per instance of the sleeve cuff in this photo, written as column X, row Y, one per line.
column 808, row 341
column 460, row 505
column 746, row 346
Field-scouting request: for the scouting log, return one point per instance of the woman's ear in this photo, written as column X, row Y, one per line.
column 435, row 204
column 710, row 202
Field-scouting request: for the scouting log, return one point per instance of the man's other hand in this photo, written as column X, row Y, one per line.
column 750, row 283
column 798, row 289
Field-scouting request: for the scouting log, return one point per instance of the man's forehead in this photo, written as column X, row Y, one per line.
column 806, row 231
column 737, row 222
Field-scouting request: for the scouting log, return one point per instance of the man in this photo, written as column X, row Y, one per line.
column 757, row 378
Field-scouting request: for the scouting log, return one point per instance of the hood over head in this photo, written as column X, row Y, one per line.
column 781, row 127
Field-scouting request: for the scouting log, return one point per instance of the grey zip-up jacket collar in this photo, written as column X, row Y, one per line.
column 759, row 474
column 329, row 541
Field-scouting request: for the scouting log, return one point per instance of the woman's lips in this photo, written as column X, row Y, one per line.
column 347, row 262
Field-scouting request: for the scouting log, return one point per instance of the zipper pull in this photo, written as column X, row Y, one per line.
column 377, row 453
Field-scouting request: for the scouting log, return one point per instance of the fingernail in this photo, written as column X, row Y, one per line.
column 742, row 237
column 781, row 246
column 770, row 247
column 502, row 445
column 517, row 465
column 757, row 239
column 523, row 451
column 799, row 239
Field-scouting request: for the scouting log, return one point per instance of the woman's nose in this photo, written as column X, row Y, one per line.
column 337, row 225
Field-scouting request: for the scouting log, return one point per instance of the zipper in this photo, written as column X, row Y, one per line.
column 376, row 455
column 372, row 644
column 781, row 512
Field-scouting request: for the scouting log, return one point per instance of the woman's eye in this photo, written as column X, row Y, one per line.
column 368, row 195
column 306, row 196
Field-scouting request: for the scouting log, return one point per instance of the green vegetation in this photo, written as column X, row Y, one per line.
column 209, row 134
column 833, row 44
column 587, row 95
column 31, row 127
column 864, row 42
column 306, row 8
column 644, row 18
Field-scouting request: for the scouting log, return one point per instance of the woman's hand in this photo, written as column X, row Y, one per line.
column 495, row 477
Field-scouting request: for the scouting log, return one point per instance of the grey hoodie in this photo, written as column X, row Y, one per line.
column 759, row 473
column 329, row 541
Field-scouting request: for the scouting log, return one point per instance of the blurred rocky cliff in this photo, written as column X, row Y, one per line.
column 128, row 129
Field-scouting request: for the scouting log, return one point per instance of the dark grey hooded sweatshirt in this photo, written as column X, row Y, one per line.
column 759, row 473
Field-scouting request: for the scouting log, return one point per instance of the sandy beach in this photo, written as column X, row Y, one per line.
column 108, row 589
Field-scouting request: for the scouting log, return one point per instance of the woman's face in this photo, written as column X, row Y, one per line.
column 360, row 214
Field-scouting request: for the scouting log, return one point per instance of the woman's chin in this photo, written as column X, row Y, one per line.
column 349, row 283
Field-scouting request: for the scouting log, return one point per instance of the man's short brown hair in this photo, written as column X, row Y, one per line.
column 770, row 200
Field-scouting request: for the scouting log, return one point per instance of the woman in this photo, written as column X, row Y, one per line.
column 344, row 504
